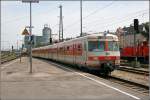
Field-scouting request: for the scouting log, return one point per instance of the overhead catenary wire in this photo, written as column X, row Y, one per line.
column 118, row 21
column 26, row 16
column 120, row 18
column 97, row 10
column 92, row 13
column 105, row 19
column 126, row 17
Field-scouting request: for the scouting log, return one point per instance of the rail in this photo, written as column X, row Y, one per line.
column 130, row 84
column 6, row 57
column 133, row 70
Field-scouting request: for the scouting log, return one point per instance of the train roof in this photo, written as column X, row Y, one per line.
column 101, row 34
column 78, row 38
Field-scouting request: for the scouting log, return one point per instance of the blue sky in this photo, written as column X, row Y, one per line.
column 98, row 16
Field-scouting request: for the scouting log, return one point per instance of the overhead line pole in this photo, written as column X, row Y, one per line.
column 60, row 25
column 81, row 17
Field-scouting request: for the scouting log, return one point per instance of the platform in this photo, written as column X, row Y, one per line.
column 50, row 82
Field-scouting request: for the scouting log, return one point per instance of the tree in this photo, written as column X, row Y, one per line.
column 145, row 30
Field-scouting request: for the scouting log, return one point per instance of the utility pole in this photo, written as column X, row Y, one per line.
column 60, row 25
column 81, row 17
column 30, row 29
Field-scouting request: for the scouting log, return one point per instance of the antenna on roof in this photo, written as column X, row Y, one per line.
column 105, row 33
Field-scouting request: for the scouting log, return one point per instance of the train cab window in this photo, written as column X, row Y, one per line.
column 96, row 45
column 113, row 46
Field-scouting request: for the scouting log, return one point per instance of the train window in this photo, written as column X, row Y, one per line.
column 101, row 45
column 71, row 47
column 79, row 47
column 96, row 45
column 109, row 37
column 113, row 46
column 67, row 47
column 61, row 48
column 103, row 37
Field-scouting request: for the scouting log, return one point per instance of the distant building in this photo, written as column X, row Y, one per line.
column 46, row 34
column 128, row 40
column 126, row 36
column 40, row 40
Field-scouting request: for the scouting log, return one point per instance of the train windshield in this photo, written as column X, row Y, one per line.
column 100, row 46
column 113, row 46
column 96, row 45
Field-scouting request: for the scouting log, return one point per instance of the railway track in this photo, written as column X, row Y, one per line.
column 140, row 88
column 8, row 57
column 133, row 70
column 7, row 60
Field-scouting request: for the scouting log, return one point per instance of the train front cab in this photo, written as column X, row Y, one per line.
column 103, row 54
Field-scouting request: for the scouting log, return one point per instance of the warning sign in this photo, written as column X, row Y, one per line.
column 25, row 32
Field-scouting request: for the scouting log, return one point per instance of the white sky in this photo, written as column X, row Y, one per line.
column 98, row 16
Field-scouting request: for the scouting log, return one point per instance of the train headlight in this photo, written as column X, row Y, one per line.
column 95, row 58
column 117, row 62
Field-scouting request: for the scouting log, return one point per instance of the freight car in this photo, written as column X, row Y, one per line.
column 96, row 52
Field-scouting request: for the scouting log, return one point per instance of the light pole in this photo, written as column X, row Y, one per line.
column 81, row 17
column 30, row 29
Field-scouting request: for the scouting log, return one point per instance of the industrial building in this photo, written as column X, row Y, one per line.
column 39, row 40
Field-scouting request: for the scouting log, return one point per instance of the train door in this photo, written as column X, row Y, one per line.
column 62, row 52
column 85, row 51
column 74, row 53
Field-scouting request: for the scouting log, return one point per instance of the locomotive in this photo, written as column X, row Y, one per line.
column 96, row 52
column 141, row 51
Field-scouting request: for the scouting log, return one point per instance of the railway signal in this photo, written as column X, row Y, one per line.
column 136, row 28
column 136, row 25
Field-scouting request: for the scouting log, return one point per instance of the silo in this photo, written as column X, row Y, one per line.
column 46, row 34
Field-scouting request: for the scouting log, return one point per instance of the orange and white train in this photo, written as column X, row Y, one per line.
column 97, row 52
